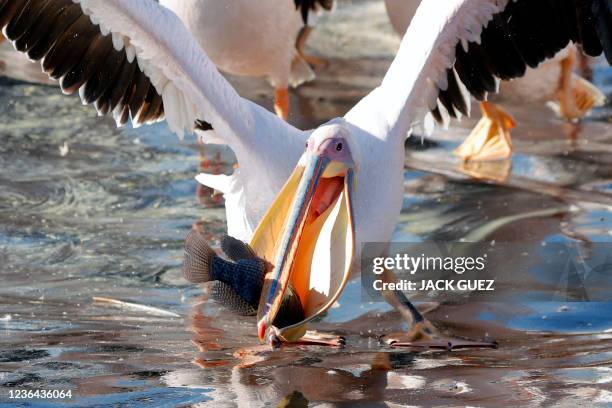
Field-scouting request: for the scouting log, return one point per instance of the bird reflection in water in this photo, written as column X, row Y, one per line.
column 292, row 378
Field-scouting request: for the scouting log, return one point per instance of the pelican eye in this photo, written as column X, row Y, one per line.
column 339, row 147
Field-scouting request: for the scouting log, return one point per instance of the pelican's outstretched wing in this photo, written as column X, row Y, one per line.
column 455, row 48
column 136, row 60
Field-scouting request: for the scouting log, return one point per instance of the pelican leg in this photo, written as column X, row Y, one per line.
column 281, row 102
column 567, row 103
column 584, row 66
column 576, row 96
column 300, row 45
column 490, row 139
column 422, row 335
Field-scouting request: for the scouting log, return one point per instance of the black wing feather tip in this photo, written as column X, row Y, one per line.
column 603, row 10
column 9, row 10
column 74, row 51
column 18, row 25
column 525, row 33
column 35, row 25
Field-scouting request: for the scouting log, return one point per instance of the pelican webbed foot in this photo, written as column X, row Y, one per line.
column 490, row 139
column 576, row 96
column 424, row 336
column 313, row 337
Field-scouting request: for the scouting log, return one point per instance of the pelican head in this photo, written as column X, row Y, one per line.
column 308, row 235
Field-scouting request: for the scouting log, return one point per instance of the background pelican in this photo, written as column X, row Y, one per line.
column 137, row 60
column 553, row 81
column 18, row 66
column 264, row 38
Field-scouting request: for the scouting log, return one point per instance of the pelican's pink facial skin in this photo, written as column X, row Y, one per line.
column 333, row 148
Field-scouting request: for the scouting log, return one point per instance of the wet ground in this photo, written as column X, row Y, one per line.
column 88, row 211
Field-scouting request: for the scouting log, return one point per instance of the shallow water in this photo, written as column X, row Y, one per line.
column 87, row 211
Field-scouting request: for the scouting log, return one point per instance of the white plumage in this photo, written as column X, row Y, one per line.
column 266, row 147
column 249, row 38
column 401, row 12
column 537, row 85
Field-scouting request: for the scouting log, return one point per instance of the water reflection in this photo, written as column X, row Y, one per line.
column 497, row 171
column 294, row 374
column 366, row 377
column 108, row 219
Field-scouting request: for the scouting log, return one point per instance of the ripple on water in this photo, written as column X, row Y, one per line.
column 37, row 195
column 109, row 219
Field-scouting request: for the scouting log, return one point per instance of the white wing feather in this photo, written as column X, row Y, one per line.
column 266, row 147
column 191, row 86
column 410, row 89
